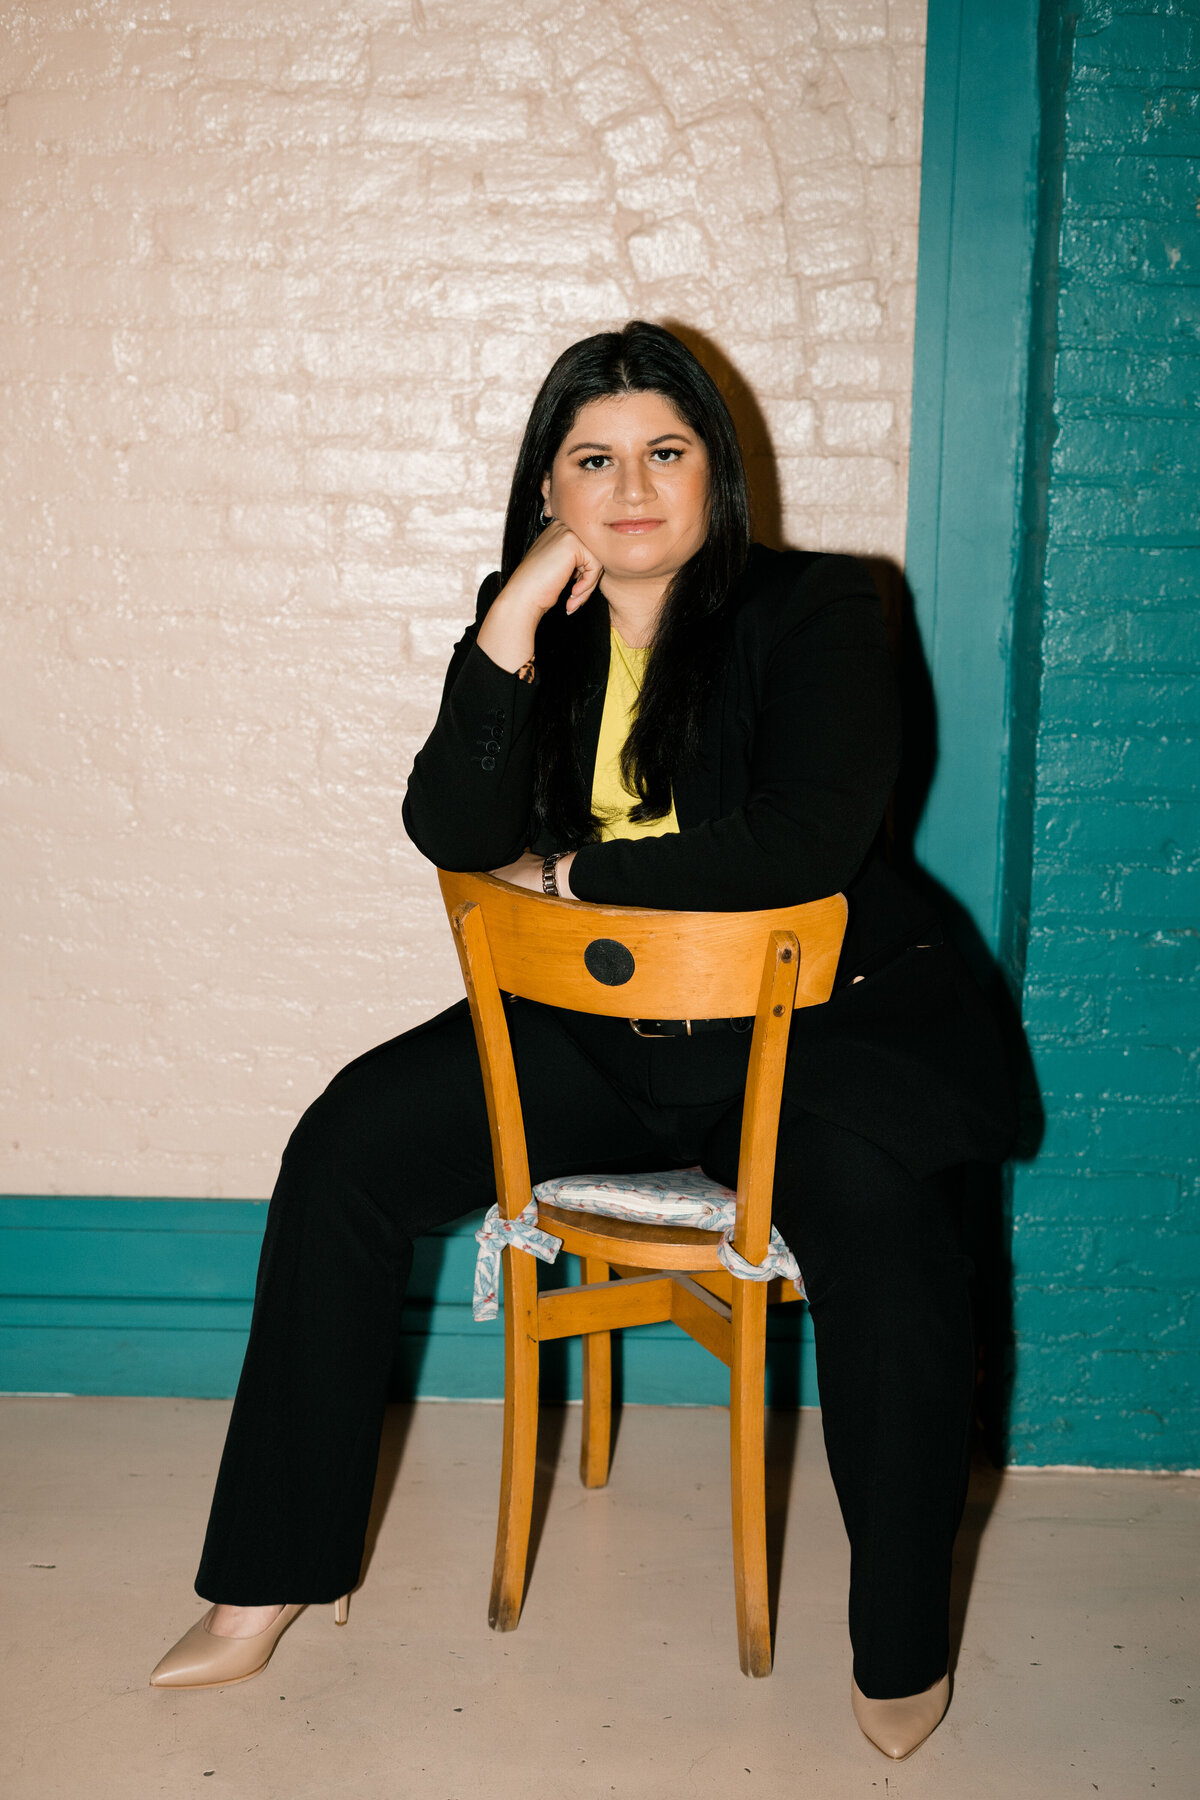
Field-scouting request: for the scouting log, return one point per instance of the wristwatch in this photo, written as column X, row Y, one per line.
column 549, row 877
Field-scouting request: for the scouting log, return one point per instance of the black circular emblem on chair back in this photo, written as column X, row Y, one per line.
column 609, row 962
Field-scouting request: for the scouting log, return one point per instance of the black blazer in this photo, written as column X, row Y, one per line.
column 801, row 747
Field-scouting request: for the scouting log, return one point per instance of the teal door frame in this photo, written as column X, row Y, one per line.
column 970, row 371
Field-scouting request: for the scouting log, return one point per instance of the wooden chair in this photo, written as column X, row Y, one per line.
column 642, row 964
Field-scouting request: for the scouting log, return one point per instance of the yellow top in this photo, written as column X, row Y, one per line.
column 611, row 799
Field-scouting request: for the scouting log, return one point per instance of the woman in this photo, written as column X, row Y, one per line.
column 651, row 711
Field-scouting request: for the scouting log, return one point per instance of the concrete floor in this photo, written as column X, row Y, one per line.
column 1077, row 1605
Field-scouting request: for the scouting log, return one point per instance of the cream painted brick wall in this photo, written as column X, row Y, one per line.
column 278, row 283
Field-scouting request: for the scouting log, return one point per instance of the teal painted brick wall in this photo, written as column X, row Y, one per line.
column 1106, row 1222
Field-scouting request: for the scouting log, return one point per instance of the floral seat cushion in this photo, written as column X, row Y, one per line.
column 668, row 1197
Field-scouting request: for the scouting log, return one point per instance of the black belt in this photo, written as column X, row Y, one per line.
column 652, row 1028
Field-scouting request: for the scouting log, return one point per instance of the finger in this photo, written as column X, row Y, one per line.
column 587, row 574
column 582, row 591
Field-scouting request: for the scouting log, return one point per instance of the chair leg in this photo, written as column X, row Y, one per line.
column 747, row 1467
column 597, row 1392
column 520, row 1439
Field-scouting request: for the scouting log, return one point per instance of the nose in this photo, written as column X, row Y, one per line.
column 633, row 486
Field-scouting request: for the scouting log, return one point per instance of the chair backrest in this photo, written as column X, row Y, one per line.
column 642, row 963
column 639, row 962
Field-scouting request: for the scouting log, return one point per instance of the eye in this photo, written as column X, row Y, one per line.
column 596, row 461
column 665, row 453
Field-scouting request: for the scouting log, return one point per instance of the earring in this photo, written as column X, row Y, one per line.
column 547, row 518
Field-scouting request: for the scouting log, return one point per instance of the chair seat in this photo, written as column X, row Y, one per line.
column 666, row 1219
column 627, row 1241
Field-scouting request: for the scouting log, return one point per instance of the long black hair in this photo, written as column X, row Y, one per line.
column 689, row 639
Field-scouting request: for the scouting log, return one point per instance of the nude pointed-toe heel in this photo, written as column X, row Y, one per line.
column 202, row 1660
column 900, row 1726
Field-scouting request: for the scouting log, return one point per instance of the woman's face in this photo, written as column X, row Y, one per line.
column 630, row 479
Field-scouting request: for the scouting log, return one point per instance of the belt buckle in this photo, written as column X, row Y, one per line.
column 635, row 1025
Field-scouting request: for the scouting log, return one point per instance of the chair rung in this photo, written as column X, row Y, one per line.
column 603, row 1306
column 720, row 1282
column 703, row 1317
column 638, row 1300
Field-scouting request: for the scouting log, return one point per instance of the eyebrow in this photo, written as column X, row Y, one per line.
column 650, row 442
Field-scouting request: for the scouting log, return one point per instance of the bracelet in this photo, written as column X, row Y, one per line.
column 549, row 875
column 525, row 672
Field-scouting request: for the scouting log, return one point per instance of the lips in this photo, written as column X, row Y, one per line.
column 634, row 527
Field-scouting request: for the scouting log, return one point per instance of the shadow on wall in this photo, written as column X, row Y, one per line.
column 987, row 1210
column 987, row 1188
column 762, row 470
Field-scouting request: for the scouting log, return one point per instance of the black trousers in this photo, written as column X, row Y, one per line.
column 398, row 1144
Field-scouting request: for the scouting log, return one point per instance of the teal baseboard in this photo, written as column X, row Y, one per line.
column 117, row 1296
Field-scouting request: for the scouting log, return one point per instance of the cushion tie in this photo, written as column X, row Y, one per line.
column 778, row 1261
column 522, row 1233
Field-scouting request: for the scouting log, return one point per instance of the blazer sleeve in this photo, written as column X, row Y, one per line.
column 468, row 799
column 826, row 752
